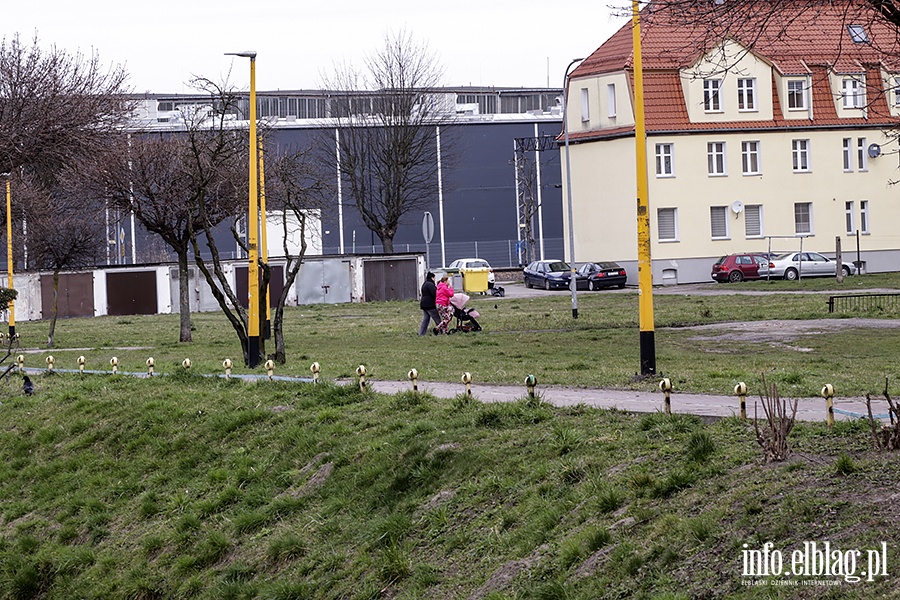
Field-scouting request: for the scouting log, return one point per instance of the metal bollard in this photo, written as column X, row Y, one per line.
column 81, row 361
column 186, row 364
column 414, row 378
column 315, row 371
column 666, row 386
column 741, row 391
column 114, row 363
column 20, row 362
column 50, row 360
column 828, row 393
column 361, row 376
column 467, row 379
column 150, row 364
column 270, row 368
column 227, row 364
column 530, row 382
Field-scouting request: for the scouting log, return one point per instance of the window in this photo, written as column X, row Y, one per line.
column 711, row 102
column 862, row 157
column 864, row 216
column 746, row 94
column 753, row 220
column 858, row 34
column 750, row 158
column 585, row 105
column 803, row 217
column 611, row 100
column 850, row 217
column 796, row 94
column 667, row 224
column 852, row 93
column 800, row 154
column 896, row 91
column 665, row 166
column 718, row 221
column 848, row 154
column 715, row 158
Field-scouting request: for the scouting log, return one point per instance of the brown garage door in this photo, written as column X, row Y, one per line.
column 131, row 293
column 276, row 284
column 390, row 279
column 76, row 295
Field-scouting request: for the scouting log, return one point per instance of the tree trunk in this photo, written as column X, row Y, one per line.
column 387, row 244
column 54, row 312
column 184, row 296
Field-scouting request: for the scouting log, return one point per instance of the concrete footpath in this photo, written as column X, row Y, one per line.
column 808, row 409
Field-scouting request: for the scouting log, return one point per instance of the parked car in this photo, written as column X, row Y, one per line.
column 794, row 265
column 548, row 274
column 472, row 263
column 738, row 267
column 596, row 275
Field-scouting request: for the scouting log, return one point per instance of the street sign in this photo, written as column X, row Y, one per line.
column 428, row 227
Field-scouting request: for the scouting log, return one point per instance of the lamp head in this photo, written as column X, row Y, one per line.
column 251, row 54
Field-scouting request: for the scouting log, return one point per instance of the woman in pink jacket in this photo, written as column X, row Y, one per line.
column 442, row 300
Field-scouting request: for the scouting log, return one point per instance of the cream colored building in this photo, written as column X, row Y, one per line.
column 749, row 149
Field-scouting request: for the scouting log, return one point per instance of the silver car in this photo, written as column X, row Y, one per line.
column 795, row 265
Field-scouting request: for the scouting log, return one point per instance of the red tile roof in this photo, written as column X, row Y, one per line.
column 805, row 43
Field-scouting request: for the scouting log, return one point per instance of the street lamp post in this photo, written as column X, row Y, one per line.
column 252, row 224
column 572, row 280
column 9, row 259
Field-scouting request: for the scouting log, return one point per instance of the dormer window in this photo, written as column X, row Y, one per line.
column 852, row 93
column 746, row 94
column 858, row 34
column 796, row 94
column 711, row 99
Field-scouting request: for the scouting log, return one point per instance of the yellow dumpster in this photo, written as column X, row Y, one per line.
column 475, row 281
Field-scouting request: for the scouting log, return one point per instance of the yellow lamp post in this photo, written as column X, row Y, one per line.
column 264, row 225
column 9, row 260
column 645, row 272
column 252, row 224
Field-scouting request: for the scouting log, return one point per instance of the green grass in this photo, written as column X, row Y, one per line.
column 113, row 487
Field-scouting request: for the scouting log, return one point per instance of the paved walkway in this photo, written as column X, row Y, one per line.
column 808, row 409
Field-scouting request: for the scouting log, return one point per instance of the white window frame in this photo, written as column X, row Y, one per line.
column 850, row 216
column 801, row 156
column 665, row 160
column 756, row 209
column 809, row 218
column 862, row 155
column 747, row 94
column 718, row 218
column 896, row 90
column 864, row 219
column 716, row 163
column 672, row 213
column 750, row 158
column 585, row 105
column 712, row 95
column 848, row 155
column 852, row 93
column 794, row 94
column 611, row 100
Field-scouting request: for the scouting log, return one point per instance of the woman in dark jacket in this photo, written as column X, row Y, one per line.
column 429, row 308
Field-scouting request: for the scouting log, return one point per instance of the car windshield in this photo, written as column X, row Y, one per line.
column 784, row 256
column 721, row 260
column 607, row 265
column 558, row 266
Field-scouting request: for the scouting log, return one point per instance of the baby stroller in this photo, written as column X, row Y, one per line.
column 465, row 317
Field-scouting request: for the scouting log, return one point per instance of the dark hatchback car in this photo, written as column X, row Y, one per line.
column 738, row 267
column 593, row 276
column 548, row 274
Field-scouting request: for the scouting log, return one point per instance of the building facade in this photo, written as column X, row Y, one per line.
column 753, row 146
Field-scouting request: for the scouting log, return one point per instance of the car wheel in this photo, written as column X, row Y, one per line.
column 591, row 286
column 735, row 276
column 845, row 270
column 621, row 286
column 791, row 274
column 546, row 284
column 527, row 283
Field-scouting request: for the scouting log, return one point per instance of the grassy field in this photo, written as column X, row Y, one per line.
column 532, row 335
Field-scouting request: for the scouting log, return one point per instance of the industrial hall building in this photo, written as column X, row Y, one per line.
column 758, row 140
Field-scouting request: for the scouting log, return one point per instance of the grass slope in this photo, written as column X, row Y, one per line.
column 185, row 487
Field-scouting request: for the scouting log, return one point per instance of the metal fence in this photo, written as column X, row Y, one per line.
column 499, row 253
column 866, row 303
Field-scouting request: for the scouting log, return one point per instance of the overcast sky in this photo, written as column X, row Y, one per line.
column 526, row 43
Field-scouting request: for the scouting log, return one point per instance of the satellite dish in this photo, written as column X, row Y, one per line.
column 874, row 150
column 737, row 206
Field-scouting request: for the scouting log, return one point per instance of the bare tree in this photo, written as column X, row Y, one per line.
column 526, row 173
column 62, row 225
column 386, row 121
column 55, row 106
